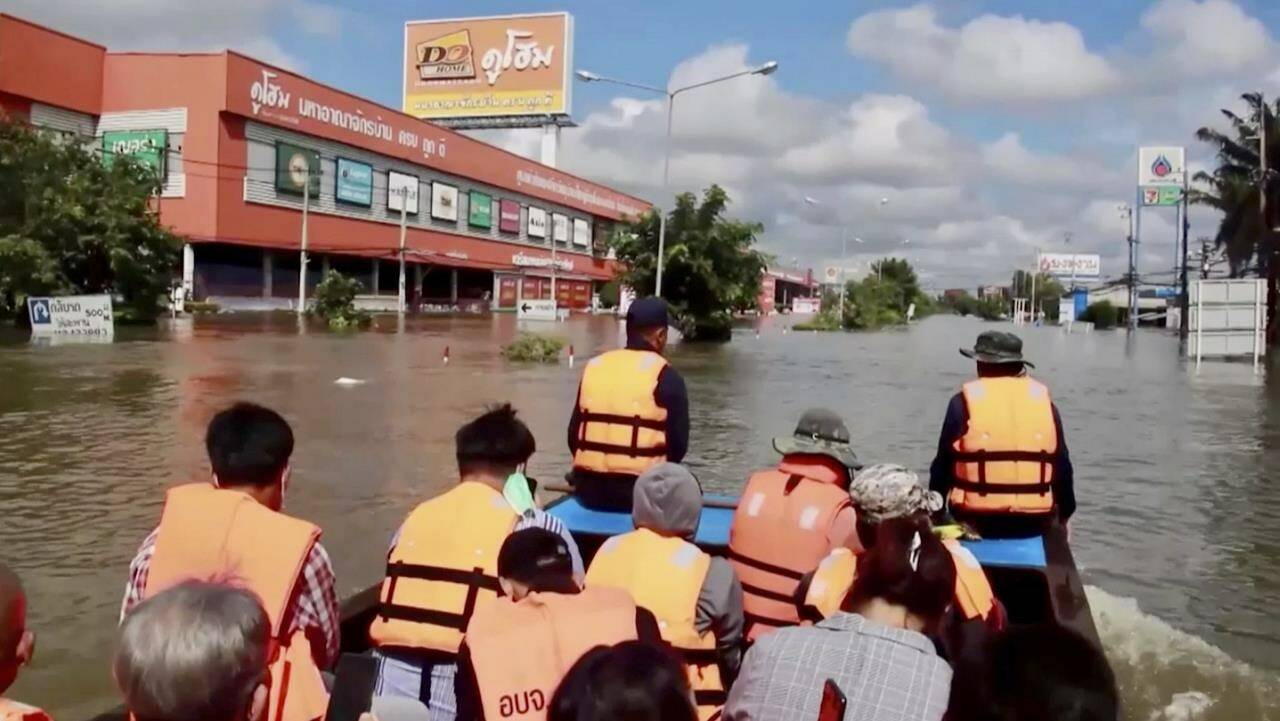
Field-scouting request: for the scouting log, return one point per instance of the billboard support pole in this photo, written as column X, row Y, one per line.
column 1035, row 270
column 1134, row 239
column 1184, row 327
column 302, row 254
column 404, row 204
column 550, row 144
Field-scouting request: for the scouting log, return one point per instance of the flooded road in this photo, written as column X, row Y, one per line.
column 1178, row 530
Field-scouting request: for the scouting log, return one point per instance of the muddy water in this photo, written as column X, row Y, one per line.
column 1178, row 529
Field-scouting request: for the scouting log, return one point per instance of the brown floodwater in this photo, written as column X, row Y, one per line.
column 1178, row 532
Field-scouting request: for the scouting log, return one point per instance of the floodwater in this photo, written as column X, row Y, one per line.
column 1178, row 531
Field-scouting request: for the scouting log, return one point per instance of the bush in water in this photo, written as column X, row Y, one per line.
column 534, row 348
column 334, row 301
column 1102, row 315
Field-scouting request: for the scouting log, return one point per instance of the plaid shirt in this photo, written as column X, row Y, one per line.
column 887, row 674
column 314, row 608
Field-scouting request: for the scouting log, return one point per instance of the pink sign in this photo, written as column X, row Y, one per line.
column 509, row 216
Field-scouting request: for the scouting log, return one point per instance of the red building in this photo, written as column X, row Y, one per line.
column 779, row 286
column 242, row 146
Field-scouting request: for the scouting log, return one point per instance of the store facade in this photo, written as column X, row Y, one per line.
column 245, row 148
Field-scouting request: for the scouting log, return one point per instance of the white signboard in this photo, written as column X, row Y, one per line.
column 581, row 232
column 536, row 261
column 444, row 201
column 402, row 191
column 1161, row 165
column 806, row 306
column 537, row 222
column 560, row 223
column 528, row 309
column 831, row 274
column 88, row 316
column 1071, row 265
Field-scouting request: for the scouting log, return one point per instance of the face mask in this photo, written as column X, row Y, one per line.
column 517, row 492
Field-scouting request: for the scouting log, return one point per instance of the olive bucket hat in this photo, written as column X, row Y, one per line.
column 820, row 432
column 995, row 346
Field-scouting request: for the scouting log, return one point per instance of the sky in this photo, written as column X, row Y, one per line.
column 966, row 135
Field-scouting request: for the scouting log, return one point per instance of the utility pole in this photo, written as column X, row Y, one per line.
column 1204, row 259
column 404, row 203
column 1131, row 277
column 1184, row 320
column 302, row 257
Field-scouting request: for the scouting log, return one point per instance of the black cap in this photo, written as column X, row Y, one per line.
column 820, row 432
column 996, row 346
column 648, row 312
column 539, row 559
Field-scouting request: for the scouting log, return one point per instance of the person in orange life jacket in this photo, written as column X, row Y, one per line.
column 631, row 412
column 443, row 561
column 17, row 645
column 789, row 518
column 519, row 646
column 1003, row 430
column 249, row 449
column 196, row 651
column 696, row 597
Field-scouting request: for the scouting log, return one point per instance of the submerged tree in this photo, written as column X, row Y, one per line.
column 711, row 267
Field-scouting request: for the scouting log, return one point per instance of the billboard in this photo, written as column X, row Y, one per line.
column 444, row 201
column 480, row 210
column 1071, row 265
column 509, row 216
column 457, row 72
column 146, row 147
column 537, row 222
column 1161, row 165
column 294, row 164
column 581, row 233
column 560, row 226
column 402, row 192
column 353, row 183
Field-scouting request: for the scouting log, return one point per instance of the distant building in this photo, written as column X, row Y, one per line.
column 778, row 286
column 994, row 291
column 954, row 293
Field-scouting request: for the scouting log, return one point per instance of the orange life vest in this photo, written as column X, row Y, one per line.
column 520, row 651
column 622, row 428
column 1004, row 460
column 835, row 575
column 17, row 711
column 214, row 534
column 444, row 562
column 779, row 534
column 665, row 576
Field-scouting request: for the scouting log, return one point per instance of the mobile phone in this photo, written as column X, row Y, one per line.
column 833, row 702
column 353, row 685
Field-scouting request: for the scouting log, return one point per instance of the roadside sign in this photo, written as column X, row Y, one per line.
column 528, row 309
column 805, row 306
column 1161, row 195
column 88, row 316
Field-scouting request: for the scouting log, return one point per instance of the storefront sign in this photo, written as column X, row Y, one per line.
column 73, row 315
column 456, row 255
column 1068, row 265
column 402, row 192
column 1162, row 195
column 509, row 216
column 294, row 165
column 581, row 233
column 444, row 201
column 537, row 222
column 147, row 148
column 488, row 67
column 480, row 210
column 616, row 205
column 353, row 183
column 560, row 224
column 520, row 260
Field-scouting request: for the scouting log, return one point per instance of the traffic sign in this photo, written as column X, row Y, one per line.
column 528, row 309
column 87, row 316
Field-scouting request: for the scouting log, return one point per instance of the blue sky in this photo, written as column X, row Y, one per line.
column 994, row 127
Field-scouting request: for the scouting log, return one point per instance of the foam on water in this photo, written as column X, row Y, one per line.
column 1166, row 674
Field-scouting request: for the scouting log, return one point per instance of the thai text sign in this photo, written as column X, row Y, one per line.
column 509, row 216
column 72, row 315
column 146, row 147
column 480, row 210
column 353, row 183
column 1071, row 265
column 488, row 67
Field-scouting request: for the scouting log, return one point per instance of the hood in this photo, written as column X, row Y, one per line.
column 667, row 500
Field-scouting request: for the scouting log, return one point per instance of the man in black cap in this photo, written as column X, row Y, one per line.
column 1002, row 461
column 632, row 413
column 519, row 646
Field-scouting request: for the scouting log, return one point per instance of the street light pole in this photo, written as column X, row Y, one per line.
column 590, row 77
column 404, row 203
column 302, row 256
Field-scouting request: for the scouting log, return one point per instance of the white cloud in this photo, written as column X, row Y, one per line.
column 990, row 58
column 1008, row 159
column 1206, row 37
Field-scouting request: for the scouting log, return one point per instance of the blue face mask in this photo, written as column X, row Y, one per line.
column 517, row 492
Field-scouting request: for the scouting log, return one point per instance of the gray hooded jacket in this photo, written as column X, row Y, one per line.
column 668, row 501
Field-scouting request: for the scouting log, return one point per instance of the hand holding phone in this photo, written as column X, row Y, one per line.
column 353, row 685
column 833, row 702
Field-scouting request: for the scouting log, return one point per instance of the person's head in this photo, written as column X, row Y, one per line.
column 632, row 680
column 17, row 644
column 907, row 572
column 535, row 560
column 647, row 321
column 667, row 499
column 493, row 446
column 249, row 448
column 1049, row 673
column 885, row 491
column 998, row 354
column 820, row 433
column 196, row 652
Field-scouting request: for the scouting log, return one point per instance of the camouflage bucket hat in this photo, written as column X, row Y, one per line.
column 820, row 432
column 887, row 490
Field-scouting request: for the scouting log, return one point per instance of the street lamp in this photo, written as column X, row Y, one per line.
column 587, row 76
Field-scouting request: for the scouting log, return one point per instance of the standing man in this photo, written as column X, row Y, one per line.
column 632, row 413
column 233, row 529
column 1002, row 461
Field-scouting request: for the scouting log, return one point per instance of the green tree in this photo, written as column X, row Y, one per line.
column 334, row 300
column 1048, row 291
column 1102, row 315
column 70, row 224
column 711, row 267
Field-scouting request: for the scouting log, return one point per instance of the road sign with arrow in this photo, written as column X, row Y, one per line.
column 528, row 309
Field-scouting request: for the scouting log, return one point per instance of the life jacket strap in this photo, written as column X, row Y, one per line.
column 767, row 567
column 621, row 450
column 619, row 420
column 474, row 580
column 985, row 488
column 766, row 593
column 753, row 619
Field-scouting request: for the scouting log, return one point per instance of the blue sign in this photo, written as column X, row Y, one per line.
column 354, row 183
column 40, row 314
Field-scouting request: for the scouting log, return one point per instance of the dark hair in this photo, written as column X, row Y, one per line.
column 496, row 440
column 885, row 570
column 248, row 445
column 1049, row 673
column 632, row 681
column 539, row 559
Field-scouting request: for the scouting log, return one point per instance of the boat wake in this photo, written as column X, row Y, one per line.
column 1169, row 675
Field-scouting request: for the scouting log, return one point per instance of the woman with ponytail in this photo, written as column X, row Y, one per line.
column 874, row 650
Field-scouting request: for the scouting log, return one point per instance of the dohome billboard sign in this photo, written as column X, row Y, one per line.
column 469, row 71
